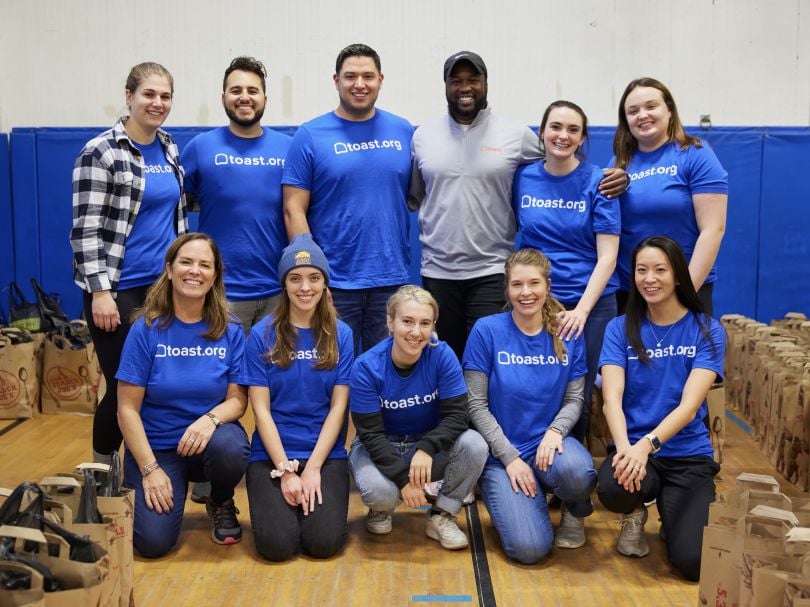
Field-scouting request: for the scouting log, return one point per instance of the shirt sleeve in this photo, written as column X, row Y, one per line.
column 614, row 345
column 451, row 378
column 363, row 394
column 237, row 347
column 706, row 174
column 530, row 147
column 478, row 351
column 606, row 213
column 93, row 186
column 711, row 352
column 345, row 355
column 254, row 367
column 299, row 165
column 576, row 358
column 137, row 355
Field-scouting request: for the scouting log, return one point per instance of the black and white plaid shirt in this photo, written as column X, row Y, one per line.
column 108, row 186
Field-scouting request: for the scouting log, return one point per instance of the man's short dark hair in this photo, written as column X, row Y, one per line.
column 246, row 64
column 357, row 50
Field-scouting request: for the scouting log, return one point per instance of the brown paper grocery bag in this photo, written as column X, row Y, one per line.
column 82, row 581
column 19, row 381
column 70, row 377
column 719, row 576
column 120, row 510
column 33, row 596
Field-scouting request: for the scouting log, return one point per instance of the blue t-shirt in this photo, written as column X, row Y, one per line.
column 526, row 379
column 409, row 405
column 300, row 395
column 185, row 374
column 237, row 181
column 652, row 390
column 659, row 200
column 358, row 174
column 154, row 227
column 561, row 216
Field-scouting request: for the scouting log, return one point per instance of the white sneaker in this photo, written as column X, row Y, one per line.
column 379, row 522
column 632, row 541
column 432, row 491
column 571, row 532
column 443, row 527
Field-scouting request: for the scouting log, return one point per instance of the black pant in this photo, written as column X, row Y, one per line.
column 683, row 488
column 280, row 531
column 462, row 302
column 106, row 434
column 704, row 293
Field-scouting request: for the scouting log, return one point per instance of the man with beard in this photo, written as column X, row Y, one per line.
column 346, row 182
column 234, row 175
column 463, row 166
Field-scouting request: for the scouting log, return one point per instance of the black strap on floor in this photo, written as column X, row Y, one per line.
column 10, row 427
column 483, row 580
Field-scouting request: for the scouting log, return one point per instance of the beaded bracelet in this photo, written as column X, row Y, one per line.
column 282, row 467
column 149, row 468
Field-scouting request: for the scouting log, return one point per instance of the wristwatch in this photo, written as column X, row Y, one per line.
column 214, row 419
column 656, row 444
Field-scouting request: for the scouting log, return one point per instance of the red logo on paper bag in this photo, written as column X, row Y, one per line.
column 63, row 383
column 9, row 389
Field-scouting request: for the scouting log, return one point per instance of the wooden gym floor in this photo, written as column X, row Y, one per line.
column 403, row 568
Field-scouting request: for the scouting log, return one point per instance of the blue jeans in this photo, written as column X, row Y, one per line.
column 460, row 468
column 223, row 463
column 364, row 311
column 522, row 522
column 603, row 312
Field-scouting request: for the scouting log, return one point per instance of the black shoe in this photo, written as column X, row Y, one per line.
column 226, row 527
column 200, row 492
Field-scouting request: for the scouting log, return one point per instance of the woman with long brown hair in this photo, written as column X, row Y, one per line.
column 179, row 400
column 526, row 394
column 678, row 187
column 297, row 366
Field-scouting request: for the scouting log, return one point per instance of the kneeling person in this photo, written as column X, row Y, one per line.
column 409, row 405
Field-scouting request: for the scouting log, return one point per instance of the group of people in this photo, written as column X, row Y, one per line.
column 304, row 241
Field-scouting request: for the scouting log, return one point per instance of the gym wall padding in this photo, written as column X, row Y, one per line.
column 6, row 231
column 762, row 266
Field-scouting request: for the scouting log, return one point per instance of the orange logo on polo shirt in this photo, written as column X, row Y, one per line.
column 9, row 389
column 303, row 258
column 489, row 148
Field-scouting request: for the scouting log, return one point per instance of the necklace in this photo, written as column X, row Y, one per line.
column 655, row 337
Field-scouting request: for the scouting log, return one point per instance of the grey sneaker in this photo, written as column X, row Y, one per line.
column 443, row 527
column 200, row 492
column 379, row 522
column 432, row 491
column 571, row 532
column 632, row 541
column 227, row 529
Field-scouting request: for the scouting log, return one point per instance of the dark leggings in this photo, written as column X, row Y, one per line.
column 106, row 434
column 683, row 488
column 281, row 531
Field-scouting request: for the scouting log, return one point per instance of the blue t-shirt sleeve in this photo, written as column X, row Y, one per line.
column 606, row 214
column 137, row 355
column 363, row 395
column 614, row 345
column 706, row 174
column 451, row 377
column 576, row 353
column 708, row 357
column 236, row 339
column 254, row 368
column 299, row 165
column 478, row 351
column 345, row 354
column 188, row 159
